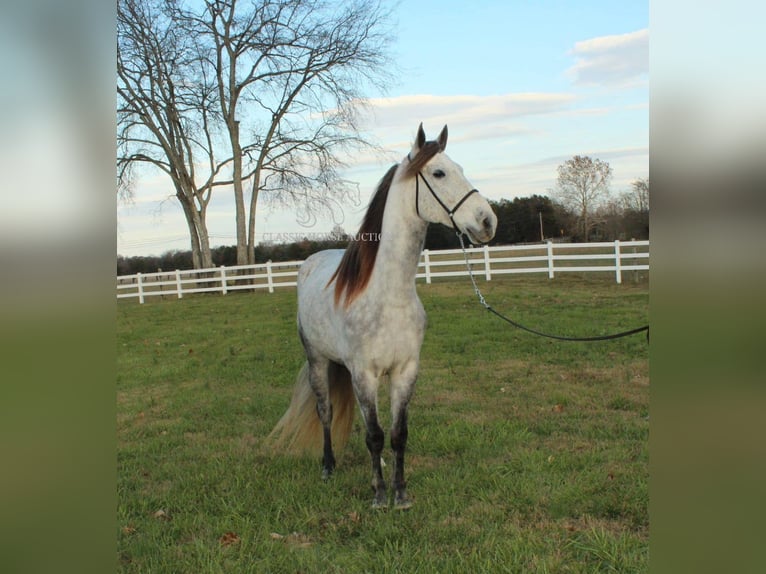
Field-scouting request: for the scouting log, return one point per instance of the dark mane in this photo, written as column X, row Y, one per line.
column 354, row 271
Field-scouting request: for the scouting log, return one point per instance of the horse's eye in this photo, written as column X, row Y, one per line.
column 439, row 173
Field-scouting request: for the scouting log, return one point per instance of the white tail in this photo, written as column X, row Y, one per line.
column 299, row 430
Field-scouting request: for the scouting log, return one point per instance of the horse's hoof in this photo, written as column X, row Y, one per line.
column 402, row 502
column 380, row 501
column 326, row 474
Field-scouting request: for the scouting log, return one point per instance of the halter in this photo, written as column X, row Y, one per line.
column 450, row 212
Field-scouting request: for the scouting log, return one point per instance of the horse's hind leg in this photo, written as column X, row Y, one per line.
column 319, row 381
column 401, row 392
column 367, row 394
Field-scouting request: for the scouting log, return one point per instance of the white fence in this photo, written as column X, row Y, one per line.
column 616, row 257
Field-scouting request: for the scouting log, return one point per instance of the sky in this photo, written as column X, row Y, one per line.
column 523, row 86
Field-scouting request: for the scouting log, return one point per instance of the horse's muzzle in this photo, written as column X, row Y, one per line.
column 484, row 231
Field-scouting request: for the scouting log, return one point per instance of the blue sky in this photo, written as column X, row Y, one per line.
column 523, row 86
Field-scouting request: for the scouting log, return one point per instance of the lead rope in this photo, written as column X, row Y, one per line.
column 489, row 308
column 470, row 274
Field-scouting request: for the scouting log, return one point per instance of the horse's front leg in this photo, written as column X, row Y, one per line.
column 401, row 392
column 366, row 389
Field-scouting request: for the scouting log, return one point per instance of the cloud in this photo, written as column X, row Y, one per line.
column 466, row 108
column 617, row 60
column 396, row 119
column 603, row 154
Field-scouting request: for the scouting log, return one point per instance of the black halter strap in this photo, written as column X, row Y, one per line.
column 450, row 212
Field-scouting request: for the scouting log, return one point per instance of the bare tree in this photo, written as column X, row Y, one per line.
column 296, row 65
column 288, row 77
column 637, row 199
column 582, row 186
column 164, row 113
column 635, row 204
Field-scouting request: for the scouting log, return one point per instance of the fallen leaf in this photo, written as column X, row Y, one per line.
column 128, row 530
column 295, row 539
column 298, row 540
column 229, row 538
column 354, row 516
column 558, row 408
column 162, row 515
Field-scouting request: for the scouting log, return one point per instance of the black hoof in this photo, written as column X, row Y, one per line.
column 380, row 501
column 402, row 501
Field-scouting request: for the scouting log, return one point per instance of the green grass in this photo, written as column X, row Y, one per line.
column 525, row 454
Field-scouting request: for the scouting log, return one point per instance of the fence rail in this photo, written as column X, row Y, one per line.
column 616, row 257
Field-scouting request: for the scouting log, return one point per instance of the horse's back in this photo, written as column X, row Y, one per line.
column 316, row 271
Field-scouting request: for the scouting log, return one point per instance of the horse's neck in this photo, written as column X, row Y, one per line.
column 401, row 242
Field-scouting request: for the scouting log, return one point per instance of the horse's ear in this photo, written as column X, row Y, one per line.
column 420, row 139
column 442, row 139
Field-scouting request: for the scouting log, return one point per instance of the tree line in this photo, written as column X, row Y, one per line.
column 520, row 220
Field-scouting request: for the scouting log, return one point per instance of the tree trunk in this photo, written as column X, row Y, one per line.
column 239, row 200
column 585, row 225
column 251, row 223
column 206, row 257
column 195, row 246
column 200, row 244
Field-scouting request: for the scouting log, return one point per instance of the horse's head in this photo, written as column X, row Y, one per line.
column 443, row 194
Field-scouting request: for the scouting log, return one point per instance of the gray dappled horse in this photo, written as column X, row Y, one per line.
column 360, row 318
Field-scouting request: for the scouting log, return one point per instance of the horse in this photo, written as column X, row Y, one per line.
column 360, row 319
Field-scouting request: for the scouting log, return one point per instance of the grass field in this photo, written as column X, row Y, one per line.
column 525, row 454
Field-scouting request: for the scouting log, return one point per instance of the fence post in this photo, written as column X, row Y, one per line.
column 635, row 271
column 617, row 267
column 487, row 270
column 269, row 278
column 223, row 279
column 427, row 262
column 140, row 288
column 178, row 284
column 550, row 259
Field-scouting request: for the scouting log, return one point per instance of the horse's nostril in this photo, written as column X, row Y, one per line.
column 487, row 223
